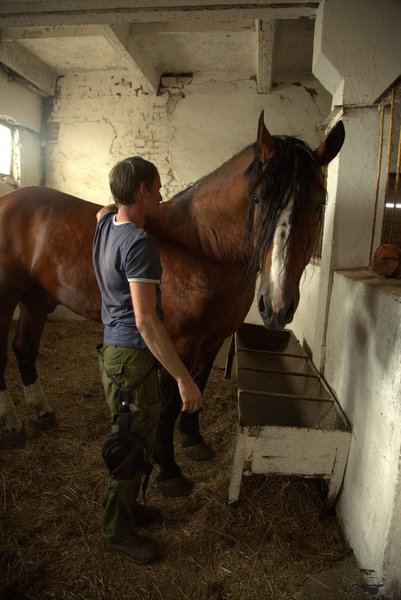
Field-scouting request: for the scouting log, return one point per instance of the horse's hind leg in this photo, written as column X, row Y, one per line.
column 8, row 415
column 31, row 322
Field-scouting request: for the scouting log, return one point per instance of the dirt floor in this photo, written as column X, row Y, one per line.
column 271, row 547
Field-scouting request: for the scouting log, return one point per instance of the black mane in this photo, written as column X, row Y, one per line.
column 291, row 172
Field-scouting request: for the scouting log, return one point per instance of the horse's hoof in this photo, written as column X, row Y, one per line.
column 200, row 452
column 46, row 421
column 13, row 439
column 173, row 488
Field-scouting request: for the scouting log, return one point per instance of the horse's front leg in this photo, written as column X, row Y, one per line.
column 26, row 346
column 193, row 443
column 170, row 480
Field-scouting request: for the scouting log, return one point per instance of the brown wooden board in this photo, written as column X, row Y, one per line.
column 283, row 383
column 257, row 409
column 273, row 362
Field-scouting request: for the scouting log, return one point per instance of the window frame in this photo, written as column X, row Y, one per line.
column 13, row 177
column 10, row 129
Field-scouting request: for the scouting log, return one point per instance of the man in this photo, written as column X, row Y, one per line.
column 127, row 266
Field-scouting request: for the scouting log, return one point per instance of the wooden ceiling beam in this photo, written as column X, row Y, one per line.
column 17, row 58
column 132, row 55
column 266, row 31
column 31, row 13
column 59, row 31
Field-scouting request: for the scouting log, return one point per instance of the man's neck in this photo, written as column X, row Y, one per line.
column 132, row 213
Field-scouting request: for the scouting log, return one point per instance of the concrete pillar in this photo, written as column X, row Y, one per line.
column 357, row 49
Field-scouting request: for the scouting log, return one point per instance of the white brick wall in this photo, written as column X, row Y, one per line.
column 187, row 130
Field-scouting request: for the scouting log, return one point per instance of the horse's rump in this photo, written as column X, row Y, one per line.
column 46, row 243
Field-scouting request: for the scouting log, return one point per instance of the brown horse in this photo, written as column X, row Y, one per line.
column 260, row 212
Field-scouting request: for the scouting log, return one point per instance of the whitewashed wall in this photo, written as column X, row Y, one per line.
column 187, row 131
column 363, row 366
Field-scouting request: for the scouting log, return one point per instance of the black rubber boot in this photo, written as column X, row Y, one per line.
column 138, row 549
column 144, row 514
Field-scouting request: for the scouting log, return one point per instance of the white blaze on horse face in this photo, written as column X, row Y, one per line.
column 8, row 414
column 279, row 257
column 35, row 399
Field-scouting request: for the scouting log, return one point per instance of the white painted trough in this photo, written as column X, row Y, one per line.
column 289, row 421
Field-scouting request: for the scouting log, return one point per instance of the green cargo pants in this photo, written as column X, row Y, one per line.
column 124, row 366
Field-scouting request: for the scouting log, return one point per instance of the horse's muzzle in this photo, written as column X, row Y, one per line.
column 276, row 319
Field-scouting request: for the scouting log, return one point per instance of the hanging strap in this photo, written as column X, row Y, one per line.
column 147, row 470
column 124, row 417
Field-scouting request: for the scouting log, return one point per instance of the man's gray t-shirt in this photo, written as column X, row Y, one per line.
column 123, row 252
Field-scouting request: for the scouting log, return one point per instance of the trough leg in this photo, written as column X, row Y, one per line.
column 237, row 466
column 336, row 479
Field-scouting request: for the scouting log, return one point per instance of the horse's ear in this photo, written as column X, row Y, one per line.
column 331, row 145
column 265, row 144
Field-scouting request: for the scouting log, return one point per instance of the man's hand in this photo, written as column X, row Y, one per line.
column 106, row 209
column 190, row 395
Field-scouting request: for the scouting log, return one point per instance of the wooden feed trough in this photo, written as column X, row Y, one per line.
column 289, row 421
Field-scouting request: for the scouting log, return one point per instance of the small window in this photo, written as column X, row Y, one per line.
column 6, row 150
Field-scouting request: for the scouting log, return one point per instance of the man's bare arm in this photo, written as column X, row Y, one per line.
column 159, row 343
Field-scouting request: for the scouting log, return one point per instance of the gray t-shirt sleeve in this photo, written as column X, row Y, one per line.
column 142, row 262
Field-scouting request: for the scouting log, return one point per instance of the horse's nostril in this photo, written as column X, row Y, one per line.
column 261, row 304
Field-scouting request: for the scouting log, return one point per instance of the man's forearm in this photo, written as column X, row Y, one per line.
column 159, row 343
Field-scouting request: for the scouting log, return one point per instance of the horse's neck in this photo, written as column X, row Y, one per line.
column 211, row 220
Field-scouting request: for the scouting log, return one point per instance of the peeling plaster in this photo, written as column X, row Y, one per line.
column 114, row 137
column 188, row 129
column 173, row 86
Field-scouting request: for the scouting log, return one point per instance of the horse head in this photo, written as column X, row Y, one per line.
column 287, row 198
